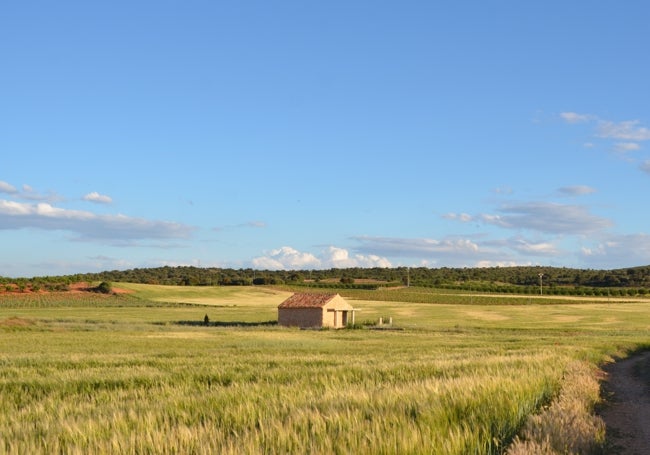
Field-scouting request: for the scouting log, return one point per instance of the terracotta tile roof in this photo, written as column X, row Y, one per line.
column 307, row 300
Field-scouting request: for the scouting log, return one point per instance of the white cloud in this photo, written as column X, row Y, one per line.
column 335, row 257
column 338, row 255
column 97, row 198
column 288, row 258
column 573, row 117
column 7, row 188
column 576, row 190
column 548, row 217
column 87, row 225
column 627, row 131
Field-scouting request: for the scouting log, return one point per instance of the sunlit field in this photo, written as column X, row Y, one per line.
column 143, row 373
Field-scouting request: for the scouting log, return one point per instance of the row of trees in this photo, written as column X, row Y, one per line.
column 497, row 279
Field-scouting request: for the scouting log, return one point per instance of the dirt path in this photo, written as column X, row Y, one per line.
column 626, row 411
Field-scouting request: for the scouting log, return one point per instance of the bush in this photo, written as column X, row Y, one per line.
column 104, row 288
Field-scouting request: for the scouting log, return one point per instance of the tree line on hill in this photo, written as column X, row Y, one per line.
column 522, row 279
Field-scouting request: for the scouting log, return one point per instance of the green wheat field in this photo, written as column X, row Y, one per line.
column 142, row 373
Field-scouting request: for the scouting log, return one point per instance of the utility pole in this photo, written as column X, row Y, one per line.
column 540, row 283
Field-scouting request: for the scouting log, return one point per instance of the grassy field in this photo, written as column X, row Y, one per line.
column 140, row 373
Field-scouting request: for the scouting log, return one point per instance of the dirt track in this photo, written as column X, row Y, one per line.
column 626, row 411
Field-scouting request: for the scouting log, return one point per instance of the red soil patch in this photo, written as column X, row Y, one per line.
column 16, row 322
column 74, row 288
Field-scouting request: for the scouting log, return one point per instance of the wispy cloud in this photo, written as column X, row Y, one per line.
column 98, row 198
column 621, row 137
column 503, row 190
column 30, row 194
column 627, row 131
column 573, row 117
column 576, row 190
column 7, row 188
column 417, row 247
column 462, row 217
column 624, row 147
column 548, row 217
column 632, row 249
column 249, row 224
column 529, row 248
column 254, row 224
column 645, row 166
column 87, row 225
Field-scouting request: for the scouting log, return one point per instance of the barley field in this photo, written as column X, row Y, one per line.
column 142, row 372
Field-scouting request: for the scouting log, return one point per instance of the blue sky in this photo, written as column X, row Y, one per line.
column 297, row 135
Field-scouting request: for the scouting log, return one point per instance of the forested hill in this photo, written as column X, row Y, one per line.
column 637, row 277
column 486, row 279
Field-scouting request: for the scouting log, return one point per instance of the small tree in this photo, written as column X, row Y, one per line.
column 104, row 288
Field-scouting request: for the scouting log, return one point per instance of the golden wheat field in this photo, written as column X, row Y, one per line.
column 141, row 373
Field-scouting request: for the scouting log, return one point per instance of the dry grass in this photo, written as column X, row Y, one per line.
column 568, row 425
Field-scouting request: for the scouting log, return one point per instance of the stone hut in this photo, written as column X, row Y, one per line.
column 308, row 310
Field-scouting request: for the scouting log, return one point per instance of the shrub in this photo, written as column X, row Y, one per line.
column 104, row 288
